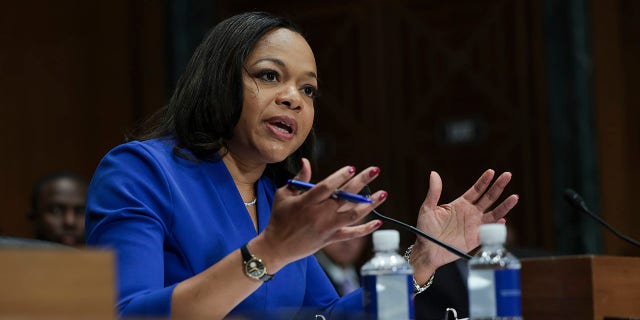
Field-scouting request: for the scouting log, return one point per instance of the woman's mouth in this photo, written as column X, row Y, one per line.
column 283, row 127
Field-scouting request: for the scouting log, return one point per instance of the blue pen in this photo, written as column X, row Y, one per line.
column 338, row 194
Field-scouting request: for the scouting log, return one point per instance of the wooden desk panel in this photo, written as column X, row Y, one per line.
column 580, row 287
column 56, row 284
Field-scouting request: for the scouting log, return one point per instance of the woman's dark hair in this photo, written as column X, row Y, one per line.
column 207, row 101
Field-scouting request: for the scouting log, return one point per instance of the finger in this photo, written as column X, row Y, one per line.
column 352, row 232
column 498, row 214
column 475, row 192
column 303, row 175
column 435, row 190
column 491, row 196
column 358, row 182
column 305, row 171
column 350, row 213
column 325, row 188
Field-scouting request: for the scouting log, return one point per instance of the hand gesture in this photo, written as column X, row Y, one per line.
column 303, row 223
column 457, row 223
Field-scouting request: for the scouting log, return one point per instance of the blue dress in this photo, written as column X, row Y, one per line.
column 168, row 219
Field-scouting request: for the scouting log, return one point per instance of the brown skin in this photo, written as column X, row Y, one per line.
column 59, row 216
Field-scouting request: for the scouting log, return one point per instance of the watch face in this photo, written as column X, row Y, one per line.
column 255, row 268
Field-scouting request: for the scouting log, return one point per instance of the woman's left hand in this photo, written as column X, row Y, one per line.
column 457, row 223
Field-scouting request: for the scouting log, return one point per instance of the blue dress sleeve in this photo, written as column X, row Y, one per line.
column 128, row 207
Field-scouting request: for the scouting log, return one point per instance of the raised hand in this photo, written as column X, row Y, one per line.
column 302, row 223
column 457, row 223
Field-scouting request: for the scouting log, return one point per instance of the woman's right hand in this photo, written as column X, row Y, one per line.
column 303, row 223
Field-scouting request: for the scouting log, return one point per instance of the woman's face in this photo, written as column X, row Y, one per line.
column 279, row 86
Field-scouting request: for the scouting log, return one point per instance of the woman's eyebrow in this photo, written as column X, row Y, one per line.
column 312, row 75
column 284, row 65
column 274, row 60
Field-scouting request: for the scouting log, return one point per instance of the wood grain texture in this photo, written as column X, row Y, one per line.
column 76, row 76
column 580, row 287
column 57, row 284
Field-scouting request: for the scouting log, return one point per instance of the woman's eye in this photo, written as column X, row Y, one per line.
column 268, row 75
column 310, row 91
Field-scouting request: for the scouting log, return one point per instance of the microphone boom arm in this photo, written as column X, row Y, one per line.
column 574, row 199
column 417, row 231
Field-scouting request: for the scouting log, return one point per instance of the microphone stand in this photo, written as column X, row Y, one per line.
column 577, row 202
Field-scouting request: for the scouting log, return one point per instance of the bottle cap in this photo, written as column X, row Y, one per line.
column 386, row 240
column 493, row 233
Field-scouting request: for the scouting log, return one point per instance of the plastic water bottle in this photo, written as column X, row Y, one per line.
column 494, row 278
column 387, row 280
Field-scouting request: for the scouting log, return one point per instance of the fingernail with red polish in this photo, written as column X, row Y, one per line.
column 374, row 172
column 382, row 196
column 352, row 169
column 378, row 224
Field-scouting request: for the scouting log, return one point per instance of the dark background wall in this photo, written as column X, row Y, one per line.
column 74, row 76
column 544, row 89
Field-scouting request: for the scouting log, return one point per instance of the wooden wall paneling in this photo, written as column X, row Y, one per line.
column 148, row 57
column 462, row 65
column 630, row 28
column 540, row 229
column 69, row 90
column 536, row 229
column 616, row 102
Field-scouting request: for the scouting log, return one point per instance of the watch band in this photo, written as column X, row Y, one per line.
column 254, row 268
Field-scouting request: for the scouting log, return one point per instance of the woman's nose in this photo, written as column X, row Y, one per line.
column 290, row 97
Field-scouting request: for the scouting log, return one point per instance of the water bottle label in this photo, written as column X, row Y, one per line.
column 482, row 303
column 508, row 292
column 388, row 296
column 494, row 293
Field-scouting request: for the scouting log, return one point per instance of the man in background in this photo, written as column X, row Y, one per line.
column 57, row 208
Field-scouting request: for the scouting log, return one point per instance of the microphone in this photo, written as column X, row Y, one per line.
column 367, row 192
column 576, row 201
